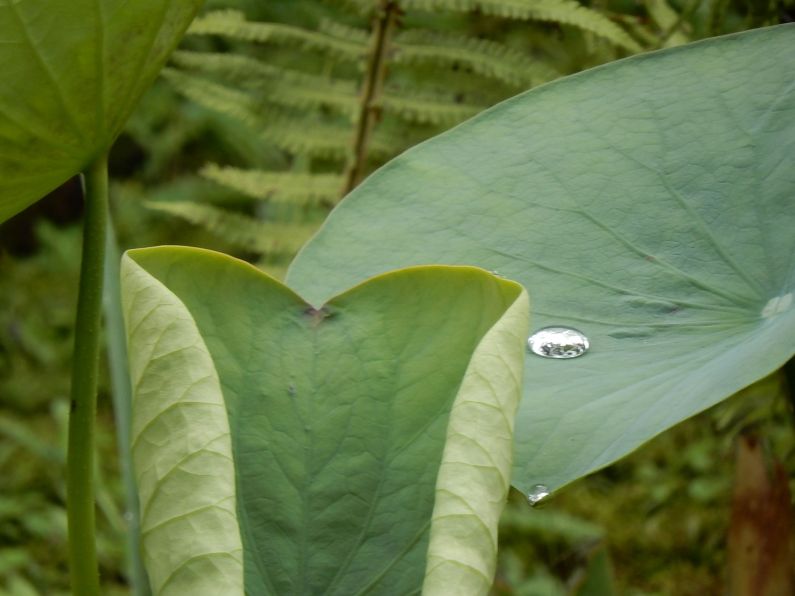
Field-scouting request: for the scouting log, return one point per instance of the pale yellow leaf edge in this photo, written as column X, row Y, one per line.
column 181, row 443
column 475, row 474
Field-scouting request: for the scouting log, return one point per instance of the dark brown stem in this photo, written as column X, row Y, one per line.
column 384, row 24
column 789, row 386
column 760, row 534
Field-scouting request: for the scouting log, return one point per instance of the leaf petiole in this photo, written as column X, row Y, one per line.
column 83, row 401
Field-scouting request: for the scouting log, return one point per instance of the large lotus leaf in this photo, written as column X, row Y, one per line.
column 649, row 203
column 72, row 73
column 361, row 447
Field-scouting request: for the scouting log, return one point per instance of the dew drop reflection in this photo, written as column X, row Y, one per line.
column 558, row 342
column 537, row 493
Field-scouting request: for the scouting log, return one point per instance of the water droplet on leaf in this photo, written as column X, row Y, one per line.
column 537, row 493
column 558, row 342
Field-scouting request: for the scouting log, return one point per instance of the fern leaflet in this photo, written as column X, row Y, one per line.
column 242, row 230
column 233, row 24
column 282, row 86
column 567, row 12
column 277, row 186
column 487, row 58
column 428, row 111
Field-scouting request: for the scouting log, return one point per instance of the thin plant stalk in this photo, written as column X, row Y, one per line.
column 116, row 347
column 83, row 402
column 384, row 25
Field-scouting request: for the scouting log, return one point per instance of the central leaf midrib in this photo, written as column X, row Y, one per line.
column 304, row 563
column 59, row 94
column 373, row 502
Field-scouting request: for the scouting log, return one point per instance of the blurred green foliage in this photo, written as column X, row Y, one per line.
column 661, row 515
column 37, row 301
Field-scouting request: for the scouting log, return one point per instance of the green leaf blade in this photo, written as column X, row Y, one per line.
column 72, row 74
column 339, row 415
column 647, row 203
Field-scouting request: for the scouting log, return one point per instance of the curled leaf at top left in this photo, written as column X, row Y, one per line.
column 72, row 73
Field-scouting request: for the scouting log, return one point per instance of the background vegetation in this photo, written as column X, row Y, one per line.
column 267, row 116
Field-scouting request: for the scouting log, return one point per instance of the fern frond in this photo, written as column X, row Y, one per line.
column 340, row 31
column 216, row 97
column 669, row 21
column 564, row 12
column 282, row 86
column 318, row 138
column 486, row 58
column 241, row 230
column 298, row 135
column 305, row 136
column 390, row 140
column 238, row 67
column 392, row 136
column 428, row 111
column 364, row 8
column 308, row 189
column 639, row 29
column 233, row 24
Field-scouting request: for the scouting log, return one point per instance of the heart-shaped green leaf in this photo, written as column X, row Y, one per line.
column 364, row 446
column 72, row 73
column 650, row 203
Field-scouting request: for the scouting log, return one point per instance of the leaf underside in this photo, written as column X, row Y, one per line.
column 339, row 419
column 647, row 203
column 181, row 447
